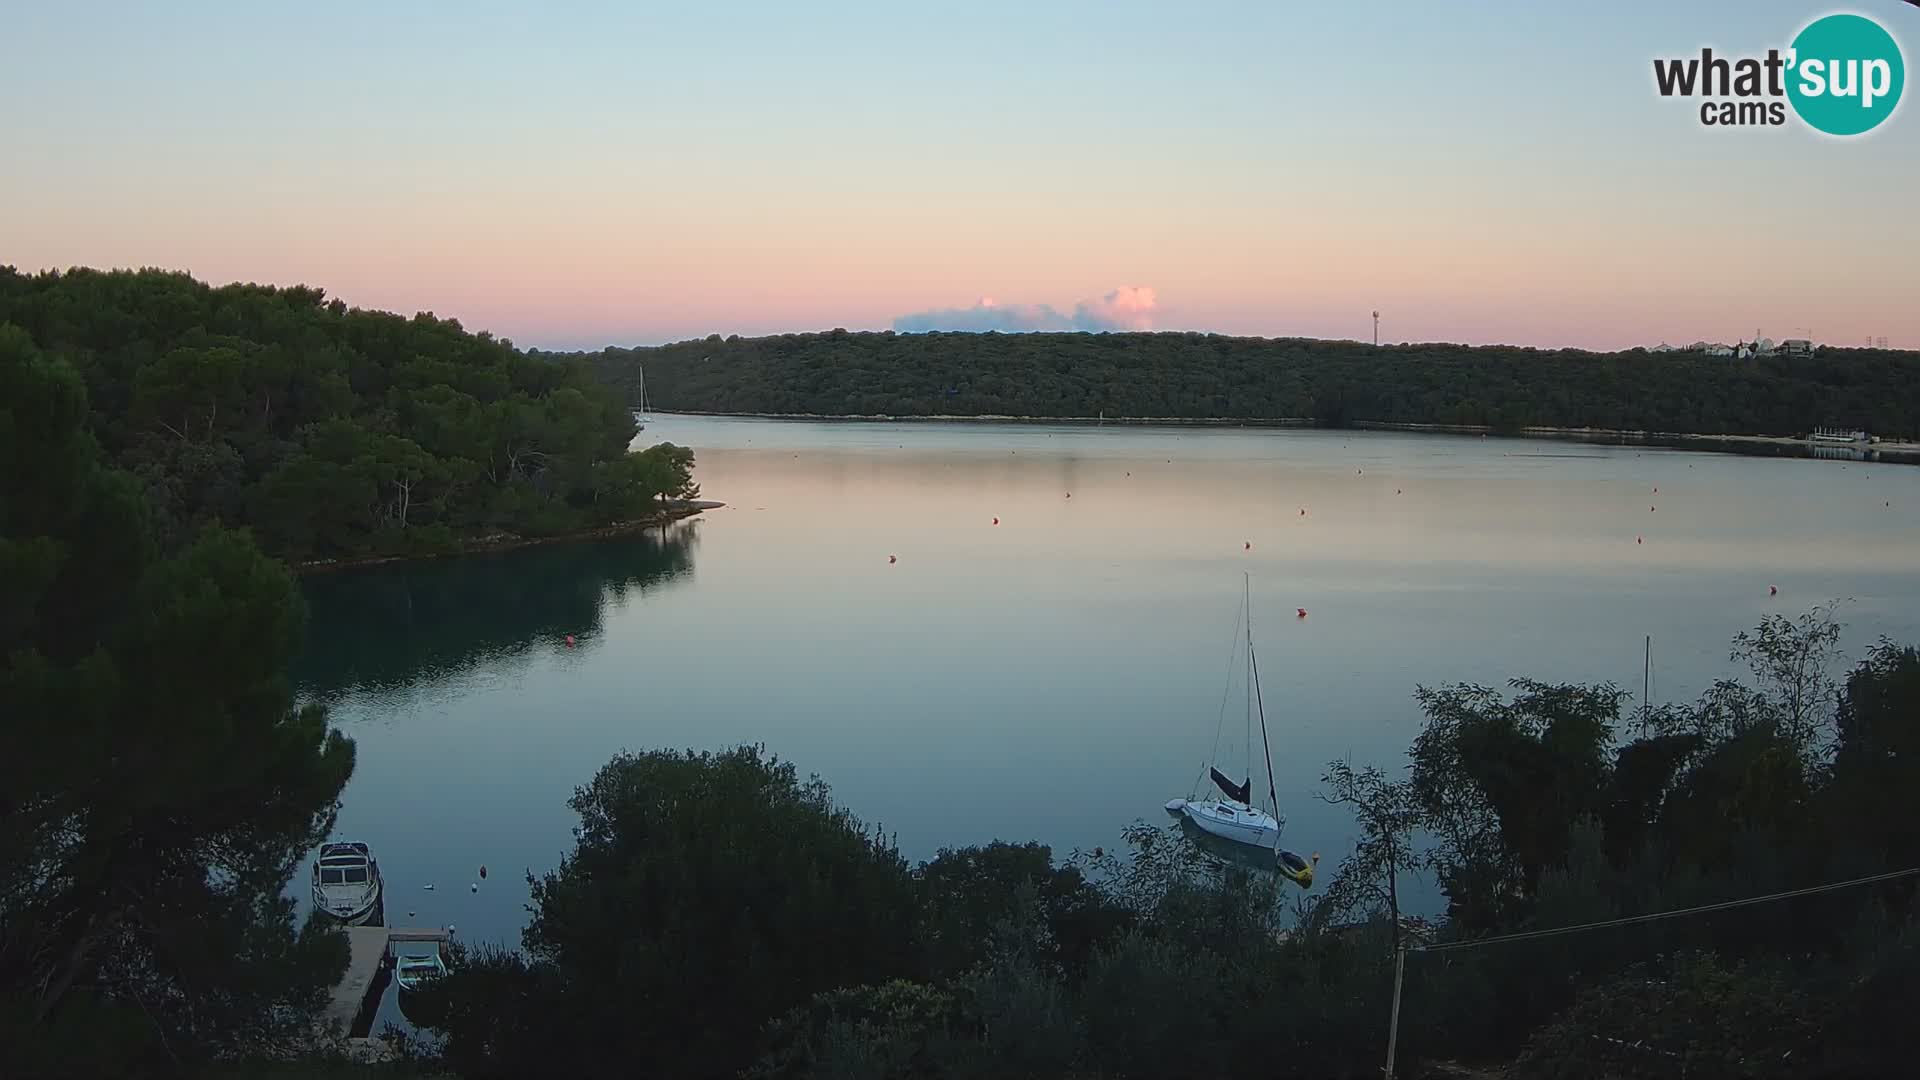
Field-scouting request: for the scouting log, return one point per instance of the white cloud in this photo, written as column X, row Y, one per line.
column 1129, row 307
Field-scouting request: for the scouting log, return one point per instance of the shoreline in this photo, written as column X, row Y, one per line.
column 505, row 541
column 1889, row 452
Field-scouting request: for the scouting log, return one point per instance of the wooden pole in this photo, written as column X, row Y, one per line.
column 1393, row 1025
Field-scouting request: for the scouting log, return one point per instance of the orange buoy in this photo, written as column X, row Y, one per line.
column 1301, row 613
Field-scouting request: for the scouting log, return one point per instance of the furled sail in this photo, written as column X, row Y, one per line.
column 1236, row 792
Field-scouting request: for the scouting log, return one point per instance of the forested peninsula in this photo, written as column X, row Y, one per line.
column 1210, row 376
column 335, row 433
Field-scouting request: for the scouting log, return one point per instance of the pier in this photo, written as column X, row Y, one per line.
column 357, row 997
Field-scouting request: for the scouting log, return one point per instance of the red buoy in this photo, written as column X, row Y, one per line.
column 1773, row 590
column 1249, row 545
column 891, row 559
column 1651, row 509
column 1069, row 494
column 1639, row 540
column 483, row 873
column 1302, row 613
column 569, row 641
column 996, row 521
column 1303, row 511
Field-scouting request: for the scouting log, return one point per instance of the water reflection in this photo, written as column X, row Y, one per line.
column 1039, row 667
column 399, row 625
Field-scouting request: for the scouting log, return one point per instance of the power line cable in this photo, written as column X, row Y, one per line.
column 1630, row 920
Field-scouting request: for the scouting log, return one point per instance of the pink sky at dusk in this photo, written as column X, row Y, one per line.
column 799, row 171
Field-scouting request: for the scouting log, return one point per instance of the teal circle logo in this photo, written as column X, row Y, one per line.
column 1847, row 74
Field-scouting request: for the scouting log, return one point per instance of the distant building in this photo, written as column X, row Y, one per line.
column 1794, row 346
column 1839, row 435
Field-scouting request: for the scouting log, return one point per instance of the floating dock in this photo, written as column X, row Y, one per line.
column 357, row 997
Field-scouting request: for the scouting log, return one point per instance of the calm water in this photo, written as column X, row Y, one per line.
column 1058, row 675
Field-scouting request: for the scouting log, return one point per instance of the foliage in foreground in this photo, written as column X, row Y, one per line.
column 157, row 788
column 333, row 431
column 687, row 935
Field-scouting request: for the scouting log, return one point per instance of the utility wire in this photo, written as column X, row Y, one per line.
column 1632, row 919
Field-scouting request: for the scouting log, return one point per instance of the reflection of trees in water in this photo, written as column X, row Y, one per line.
column 396, row 625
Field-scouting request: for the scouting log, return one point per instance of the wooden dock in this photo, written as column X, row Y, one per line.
column 357, row 997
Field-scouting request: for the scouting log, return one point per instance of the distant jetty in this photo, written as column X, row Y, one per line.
column 1889, row 451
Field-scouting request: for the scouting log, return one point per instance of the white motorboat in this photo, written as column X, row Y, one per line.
column 346, row 882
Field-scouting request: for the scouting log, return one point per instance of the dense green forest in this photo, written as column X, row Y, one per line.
column 720, row 917
column 157, row 785
column 330, row 431
column 1198, row 376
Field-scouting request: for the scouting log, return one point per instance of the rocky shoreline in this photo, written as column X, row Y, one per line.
column 506, row 541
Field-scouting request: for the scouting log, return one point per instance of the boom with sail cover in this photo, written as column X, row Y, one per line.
column 1236, row 792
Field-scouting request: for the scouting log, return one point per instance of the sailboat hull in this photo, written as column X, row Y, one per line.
column 1230, row 821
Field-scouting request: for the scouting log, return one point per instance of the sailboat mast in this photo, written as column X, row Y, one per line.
column 1253, row 668
column 1646, row 687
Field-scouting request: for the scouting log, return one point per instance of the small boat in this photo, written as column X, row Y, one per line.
column 346, row 882
column 1231, row 815
column 413, row 970
column 1229, row 819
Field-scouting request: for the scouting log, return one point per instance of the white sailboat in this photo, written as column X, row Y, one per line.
column 1231, row 815
column 643, row 409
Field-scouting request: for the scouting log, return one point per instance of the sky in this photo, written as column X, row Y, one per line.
column 572, row 175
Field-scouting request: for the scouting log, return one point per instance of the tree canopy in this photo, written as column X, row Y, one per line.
column 1535, row 809
column 157, row 786
column 332, row 431
column 1211, row 376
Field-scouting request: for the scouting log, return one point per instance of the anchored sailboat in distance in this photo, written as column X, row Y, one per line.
column 1233, row 817
column 642, row 408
